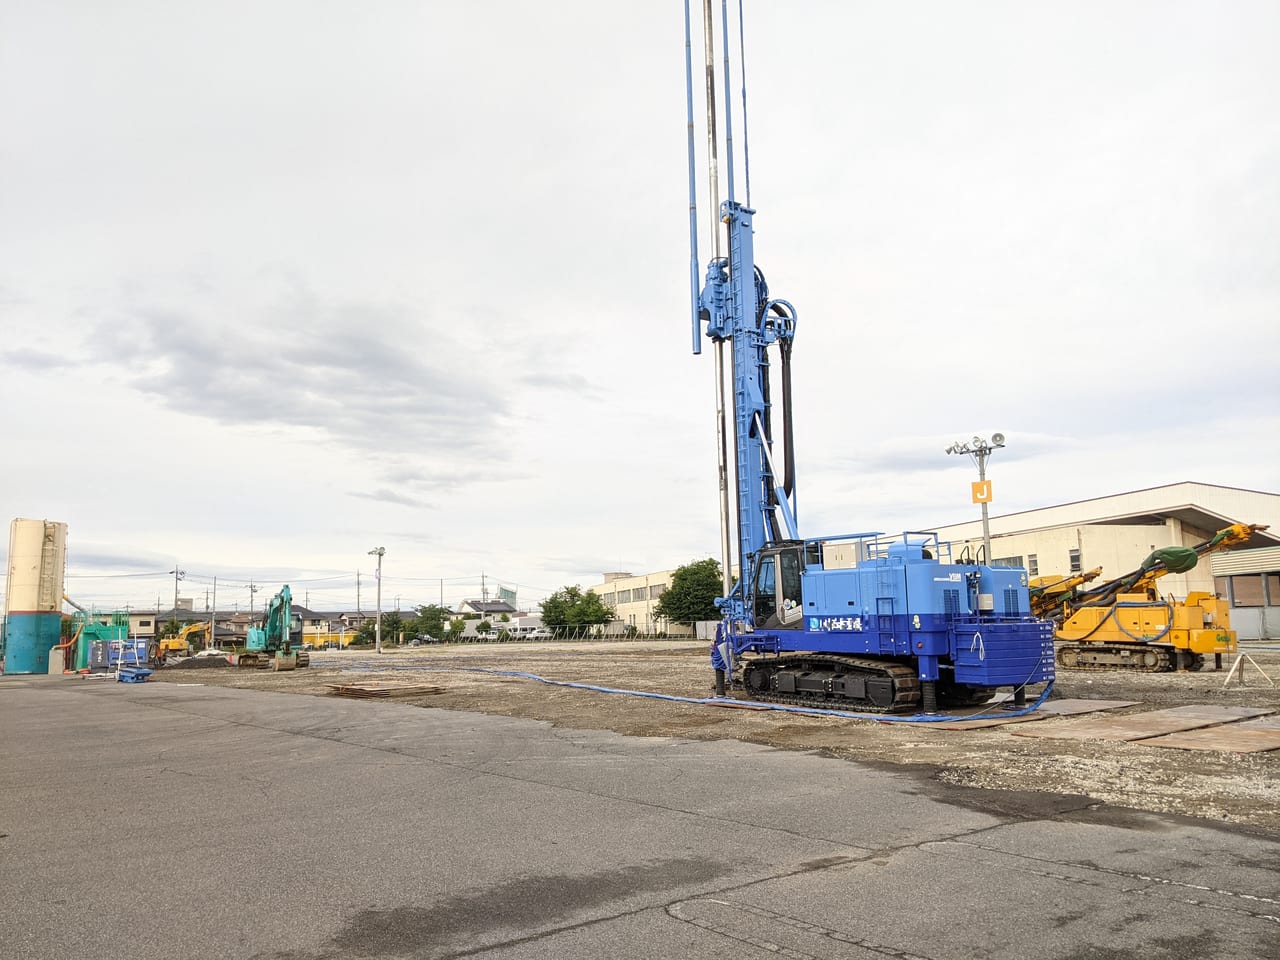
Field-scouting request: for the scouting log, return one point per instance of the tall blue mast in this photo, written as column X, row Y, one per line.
column 735, row 308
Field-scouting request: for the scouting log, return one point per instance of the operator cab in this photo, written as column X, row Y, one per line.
column 777, row 600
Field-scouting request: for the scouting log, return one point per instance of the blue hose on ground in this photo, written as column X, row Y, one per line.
column 722, row 701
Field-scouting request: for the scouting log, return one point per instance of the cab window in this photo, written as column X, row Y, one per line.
column 790, row 576
column 766, row 590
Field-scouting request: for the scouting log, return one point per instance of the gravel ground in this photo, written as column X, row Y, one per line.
column 1212, row 785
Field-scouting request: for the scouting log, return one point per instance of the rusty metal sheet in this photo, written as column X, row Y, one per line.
column 1070, row 706
column 1217, row 714
column 1251, row 736
column 1141, row 726
column 1270, row 721
column 1067, row 707
column 383, row 688
column 988, row 722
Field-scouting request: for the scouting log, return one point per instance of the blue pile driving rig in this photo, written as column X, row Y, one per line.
column 855, row 621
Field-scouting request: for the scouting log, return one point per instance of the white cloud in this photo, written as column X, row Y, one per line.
column 279, row 283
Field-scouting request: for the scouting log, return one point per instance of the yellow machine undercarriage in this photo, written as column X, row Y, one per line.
column 1143, row 632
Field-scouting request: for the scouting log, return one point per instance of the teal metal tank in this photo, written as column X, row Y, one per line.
column 28, row 638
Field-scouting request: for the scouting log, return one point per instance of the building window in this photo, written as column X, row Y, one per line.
column 1273, row 589
column 657, row 590
column 144, row 623
column 1033, row 565
column 1246, row 590
column 1073, row 556
column 610, row 600
column 1007, row 562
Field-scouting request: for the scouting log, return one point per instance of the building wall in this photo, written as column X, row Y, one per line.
column 1245, row 506
column 1250, row 580
column 1117, row 549
column 1097, row 529
column 633, row 599
column 142, row 624
column 1115, row 533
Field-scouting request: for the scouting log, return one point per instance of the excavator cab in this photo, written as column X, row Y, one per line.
column 777, row 600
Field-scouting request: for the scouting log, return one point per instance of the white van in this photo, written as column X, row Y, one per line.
column 527, row 631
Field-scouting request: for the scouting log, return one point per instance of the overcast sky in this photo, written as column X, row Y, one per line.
column 285, row 280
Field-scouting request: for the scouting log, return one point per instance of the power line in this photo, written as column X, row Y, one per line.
column 111, row 576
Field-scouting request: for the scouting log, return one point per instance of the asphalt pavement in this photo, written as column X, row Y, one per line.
column 165, row 820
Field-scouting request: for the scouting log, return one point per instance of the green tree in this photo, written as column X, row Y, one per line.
column 392, row 626
column 571, row 608
column 484, row 626
column 432, row 620
column 691, row 596
column 455, row 628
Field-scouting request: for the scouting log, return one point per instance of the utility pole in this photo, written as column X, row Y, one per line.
column 177, row 575
column 253, row 588
column 358, row 613
column 377, row 627
column 213, row 619
column 978, row 450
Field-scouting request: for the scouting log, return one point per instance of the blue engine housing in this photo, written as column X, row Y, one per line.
column 863, row 594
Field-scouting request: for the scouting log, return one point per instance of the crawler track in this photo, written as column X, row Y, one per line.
column 1127, row 657
column 832, row 682
column 262, row 661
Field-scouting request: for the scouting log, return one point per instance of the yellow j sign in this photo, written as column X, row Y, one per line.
column 982, row 491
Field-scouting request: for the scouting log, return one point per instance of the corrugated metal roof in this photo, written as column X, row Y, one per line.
column 1264, row 560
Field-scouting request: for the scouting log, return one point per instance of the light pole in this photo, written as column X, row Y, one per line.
column 978, row 450
column 377, row 627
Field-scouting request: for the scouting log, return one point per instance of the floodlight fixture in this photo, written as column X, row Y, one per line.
column 978, row 450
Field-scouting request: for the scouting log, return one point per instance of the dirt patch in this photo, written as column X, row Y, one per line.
column 1210, row 785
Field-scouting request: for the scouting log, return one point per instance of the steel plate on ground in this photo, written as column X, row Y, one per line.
column 383, row 688
column 1251, row 736
column 987, row 722
column 1052, row 708
column 1140, row 726
column 1070, row 706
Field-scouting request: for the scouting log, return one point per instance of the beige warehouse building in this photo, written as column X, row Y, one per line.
column 633, row 598
column 1116, row 533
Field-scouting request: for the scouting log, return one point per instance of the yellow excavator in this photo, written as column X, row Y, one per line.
column 179, row 645
column 1125, row 624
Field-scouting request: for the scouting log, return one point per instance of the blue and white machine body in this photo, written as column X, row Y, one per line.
column 879, row 622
